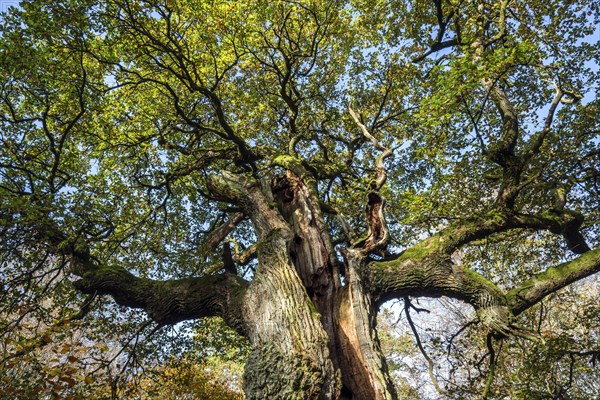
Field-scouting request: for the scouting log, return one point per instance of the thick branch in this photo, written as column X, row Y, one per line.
column 564, row 222
column 435, row 276
column 378, row 234
column 561, row 222
column 247, row 194
column 166, row 302
column 541, row 285
column 219, row 234
column 426, row 269
column 171, row 301
column 502, row 151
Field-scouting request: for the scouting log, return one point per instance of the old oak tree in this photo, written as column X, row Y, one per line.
column 289, row 166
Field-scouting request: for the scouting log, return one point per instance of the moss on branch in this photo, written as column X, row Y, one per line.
column 420, row 272
column 540, row 285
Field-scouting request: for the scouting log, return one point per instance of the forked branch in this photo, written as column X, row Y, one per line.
column 379, row 161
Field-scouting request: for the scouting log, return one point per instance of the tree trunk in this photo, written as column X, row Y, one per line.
column 314, row 338
column 290, row 359
column 362, row 364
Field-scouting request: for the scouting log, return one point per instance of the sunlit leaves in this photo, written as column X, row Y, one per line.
column 112, row 115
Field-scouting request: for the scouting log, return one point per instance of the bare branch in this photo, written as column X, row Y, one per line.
column 439, row 43
column 438, row 46
column 407, row 305
column 537, row 142
column 385, row 152
column 378, row 234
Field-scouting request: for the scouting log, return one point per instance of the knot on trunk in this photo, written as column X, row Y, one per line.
column 499, row 320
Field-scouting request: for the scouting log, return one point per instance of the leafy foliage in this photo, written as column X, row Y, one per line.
column 113, row 116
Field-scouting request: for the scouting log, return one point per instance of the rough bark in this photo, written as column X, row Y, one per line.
column 291, row 357
column 347, row 312
column 541, row 285
column 426, row 269
column 169, row 302
column 314, row 337
column 435, row 275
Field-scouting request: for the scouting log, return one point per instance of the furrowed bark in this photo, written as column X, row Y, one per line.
column 291, row 357
column 171, row 301
column 300, row 206
column 311, row 250
column 347, row 313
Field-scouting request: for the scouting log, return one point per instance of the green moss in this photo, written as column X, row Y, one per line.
column 312, row 308
column 423, row 249
column 557, row 277
column 478, row 282
column 295, row 165
column 285, row 160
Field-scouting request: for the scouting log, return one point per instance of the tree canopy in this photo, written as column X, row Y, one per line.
column 284, row 165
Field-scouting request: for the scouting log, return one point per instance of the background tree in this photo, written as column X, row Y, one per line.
column 233, row 159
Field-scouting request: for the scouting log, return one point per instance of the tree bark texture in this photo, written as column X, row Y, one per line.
column 314, row 338
column 346, row 312
column 310, row 310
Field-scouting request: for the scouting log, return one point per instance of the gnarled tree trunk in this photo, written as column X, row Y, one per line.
column 313, row 337
column 346, row 312
column 313, row 332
